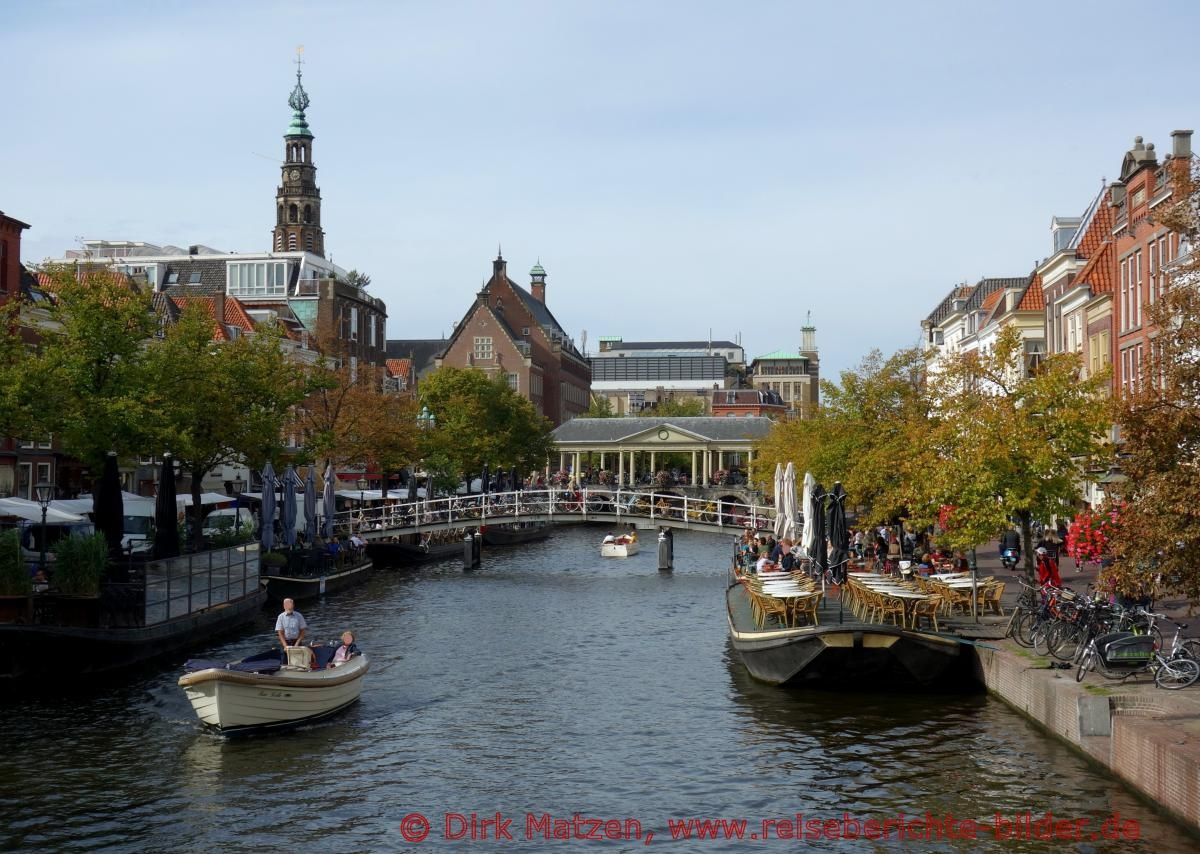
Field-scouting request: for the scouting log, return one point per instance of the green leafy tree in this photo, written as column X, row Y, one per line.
column 1008, row 445
column 220, row 402
column 479, row 420
column 865, row 434
column 675, row 408
column 599, row 407
column 88, row 372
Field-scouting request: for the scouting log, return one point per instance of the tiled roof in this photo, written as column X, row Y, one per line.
column 987, row 287
column 1097, row 229
column 1033, row 299
column 674, row 345
column 543, row 317
column 212, row 277
column 751, row 428
column 422, row 351
column 1100, row 270
column 235, row 314
column 398, row 367
column 943, row 310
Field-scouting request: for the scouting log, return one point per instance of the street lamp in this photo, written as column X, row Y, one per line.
column 45, row 492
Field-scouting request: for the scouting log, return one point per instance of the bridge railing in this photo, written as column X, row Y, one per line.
column 474, row 510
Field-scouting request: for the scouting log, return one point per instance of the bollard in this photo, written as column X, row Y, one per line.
column 666, row 549
column 471, row 548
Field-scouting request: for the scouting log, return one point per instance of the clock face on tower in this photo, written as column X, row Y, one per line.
column 295, row 174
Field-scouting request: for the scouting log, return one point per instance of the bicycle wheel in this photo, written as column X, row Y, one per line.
column 1190, row 648
column 1065, row 639
column 1014, row 618
column 1022, row 629
column 1039, row 637
column 1175, row 673
column 1085, row 663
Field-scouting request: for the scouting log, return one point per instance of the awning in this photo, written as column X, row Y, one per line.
column 31, row 510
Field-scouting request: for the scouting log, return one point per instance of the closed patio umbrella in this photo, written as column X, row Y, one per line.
column 412, row 485
column 266, row 533
column 310, row 506
column 287, row 513
column 514, row 480
column 839, row 534
column 789, row 502
column 806, row 537
column 166, row 530
column 109, row 507
column 329, row 500
column 780, row 510
column 819, row 554
column 484, row 480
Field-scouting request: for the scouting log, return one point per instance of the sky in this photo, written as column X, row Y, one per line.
column 680, row 169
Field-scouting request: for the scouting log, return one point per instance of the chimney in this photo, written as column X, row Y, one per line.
column 1117, row 189
column 1181, row 143
column 219, row 308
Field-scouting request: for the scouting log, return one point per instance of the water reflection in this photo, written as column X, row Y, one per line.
column 547, row 681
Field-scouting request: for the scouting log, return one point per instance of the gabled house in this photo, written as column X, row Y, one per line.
column 510, row 332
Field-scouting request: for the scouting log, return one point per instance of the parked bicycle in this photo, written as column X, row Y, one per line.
column 1120, row 655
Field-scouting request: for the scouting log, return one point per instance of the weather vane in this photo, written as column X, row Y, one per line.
column 299, row 58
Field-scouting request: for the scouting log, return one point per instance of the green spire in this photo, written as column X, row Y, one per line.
column 298, row 101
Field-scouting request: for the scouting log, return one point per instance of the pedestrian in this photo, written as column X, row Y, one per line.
column 290, row 625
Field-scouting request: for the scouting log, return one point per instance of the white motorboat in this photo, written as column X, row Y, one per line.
column 619, row 547
column 262, row 692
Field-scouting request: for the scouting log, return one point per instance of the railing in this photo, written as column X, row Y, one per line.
column 184, row 585
column 569, row 505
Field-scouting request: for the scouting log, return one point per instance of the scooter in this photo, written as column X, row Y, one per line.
column 1010, row 558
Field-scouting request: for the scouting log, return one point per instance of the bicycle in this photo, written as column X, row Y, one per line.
column 1123, row 654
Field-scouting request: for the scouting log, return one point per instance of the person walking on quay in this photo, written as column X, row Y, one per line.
column 290, row 625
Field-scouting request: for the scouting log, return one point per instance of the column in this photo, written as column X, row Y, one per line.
column 562, row 460
column 602, row 455
column 653, row 467
column 620, row 468
column 707, row 463
column 750, row 465
column 578, row 460
column 693, row 472
column 720, row 459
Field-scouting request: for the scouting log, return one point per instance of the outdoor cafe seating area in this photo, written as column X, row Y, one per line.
column 918, row 602
column 790, row 599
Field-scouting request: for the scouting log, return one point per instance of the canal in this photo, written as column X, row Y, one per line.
column 547, row 683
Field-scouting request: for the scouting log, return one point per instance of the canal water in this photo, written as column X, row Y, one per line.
column 546, row 684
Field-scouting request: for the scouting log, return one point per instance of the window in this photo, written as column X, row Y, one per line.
column 48, row 442
column 25, row 443
column 525, row 331
column 371, row 323
column 257, row 278
column 1153, row 263
column 43, row 473
column 483, row 348
column 194, row 277
column 1124, row 294
column 1137, row 293
column 172, row 278
column 308, row 241
column 24, row 480
column 353, row 323
column 514, row 382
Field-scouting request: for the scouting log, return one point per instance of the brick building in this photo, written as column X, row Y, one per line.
column 510, row 332
column 1144, row 250
column 795, row 376
column 10, row 257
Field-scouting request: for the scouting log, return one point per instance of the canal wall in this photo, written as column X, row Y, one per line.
column 1144, row 735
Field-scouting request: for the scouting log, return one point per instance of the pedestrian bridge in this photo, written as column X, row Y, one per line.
column 604, row 506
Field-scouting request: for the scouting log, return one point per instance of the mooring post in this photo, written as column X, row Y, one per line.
column 666, row 549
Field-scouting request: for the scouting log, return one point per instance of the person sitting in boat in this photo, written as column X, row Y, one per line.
column 609, row 539
column 346, row 651
column 290, row 625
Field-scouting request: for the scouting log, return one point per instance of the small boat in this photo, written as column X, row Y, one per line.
column 265, row 692
column 520, row 532
column 623, row 546
column 403, row 554
column 285, row 583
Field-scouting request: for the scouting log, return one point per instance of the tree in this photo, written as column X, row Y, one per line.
column 358, row 280
column 864, row 435
column 349, row 418
column 675, row 408
column 479, row 420
column 219, row 402
column 599, row 407
column 85, row 383
column 1159, row 530
column 1006, row 444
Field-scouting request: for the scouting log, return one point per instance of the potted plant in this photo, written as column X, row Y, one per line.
column 15, row 586
column 79, row 567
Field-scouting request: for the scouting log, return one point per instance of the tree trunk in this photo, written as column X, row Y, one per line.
column 198, row 512
column 1027, row 542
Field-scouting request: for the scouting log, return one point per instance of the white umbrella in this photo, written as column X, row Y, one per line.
column 808, row 539
column 32, row 511
column 780, row 507
column 789, row 501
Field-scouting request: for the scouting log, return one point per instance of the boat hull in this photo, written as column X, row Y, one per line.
column 35, row 652
column 856, row 655
column 300, row 588
column 407, row 554
column 235, row 702
column 504, row 535
column 618, row 549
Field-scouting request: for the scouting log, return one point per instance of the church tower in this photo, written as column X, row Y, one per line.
column 298, row 200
